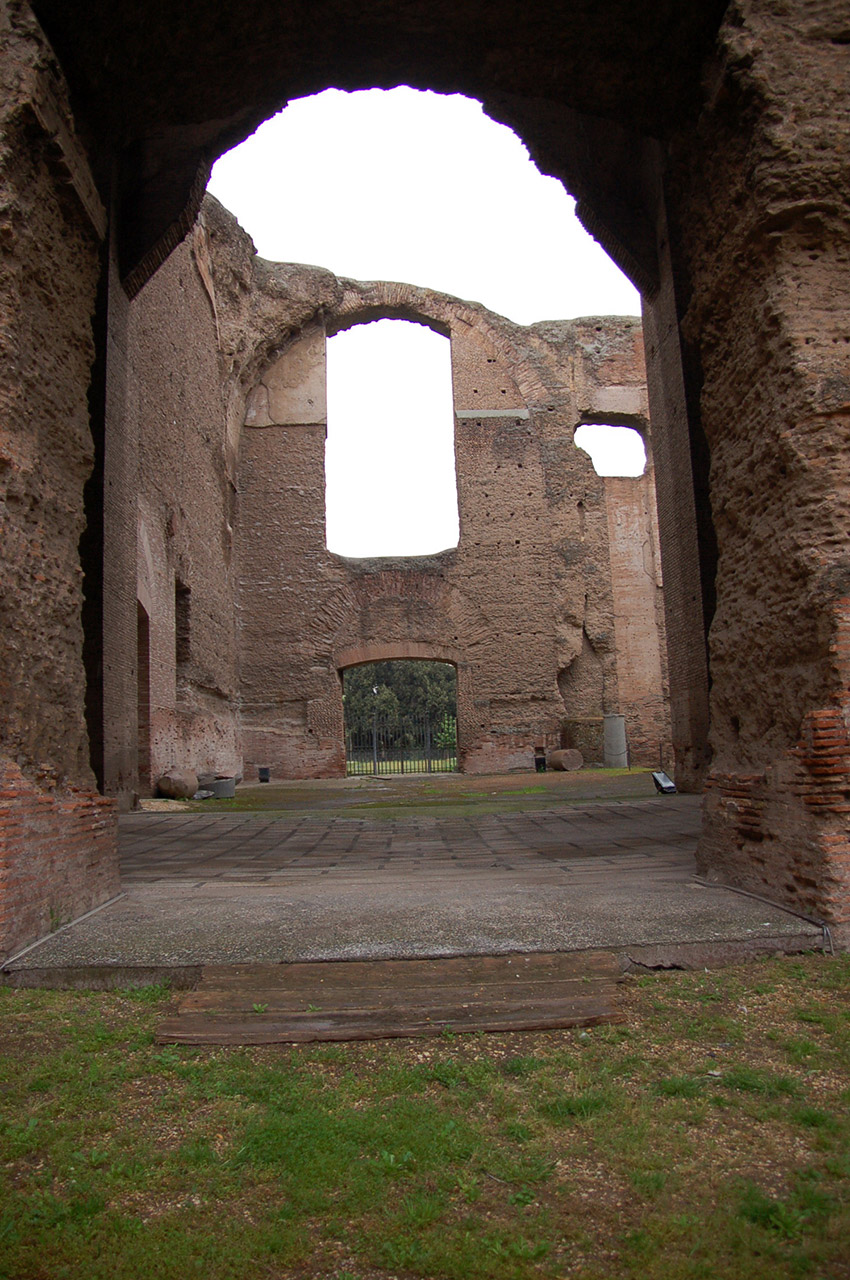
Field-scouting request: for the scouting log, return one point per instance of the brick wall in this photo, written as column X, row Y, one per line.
column 758, row 202
column 57, row 837
column 182, row 524
column 530, row 593
column 638, row 621
column 57, row 856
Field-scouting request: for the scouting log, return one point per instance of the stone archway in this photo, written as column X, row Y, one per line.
column 679, row 132
column 420, row 725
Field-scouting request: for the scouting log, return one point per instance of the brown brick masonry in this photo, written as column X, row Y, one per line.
column 751, row 810
column 58, row 856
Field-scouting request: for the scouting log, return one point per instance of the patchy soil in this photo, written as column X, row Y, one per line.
column 706, row 1136
column 446, row 793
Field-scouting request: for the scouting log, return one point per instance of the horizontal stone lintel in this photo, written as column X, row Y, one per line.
column 264, row 426
column 491, row 413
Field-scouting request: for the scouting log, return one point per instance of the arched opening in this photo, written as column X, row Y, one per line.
column 621, row 107
column 287, row 481
column 419, row 169
column 512, row 437
column 390, row 482
column 400, row 717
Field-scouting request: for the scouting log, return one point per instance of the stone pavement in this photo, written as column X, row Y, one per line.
column 228, row 887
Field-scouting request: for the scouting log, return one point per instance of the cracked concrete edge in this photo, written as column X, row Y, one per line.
column 652, row 957
column 643, row 958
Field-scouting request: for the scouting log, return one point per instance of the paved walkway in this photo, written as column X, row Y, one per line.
column 221, row 888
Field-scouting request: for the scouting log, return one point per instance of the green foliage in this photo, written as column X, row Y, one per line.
column 815, row 1118
column 681, row 1087
column 803, row 1211
column 521, row 1066
column 648, row 1182
column 406, row 690
column 150, row 994
column 752, row 1080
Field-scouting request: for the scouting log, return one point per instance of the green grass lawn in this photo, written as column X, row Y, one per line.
column 415, row 764
column 707, row 1136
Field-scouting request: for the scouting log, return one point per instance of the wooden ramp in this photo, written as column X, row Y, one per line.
column 374, row 999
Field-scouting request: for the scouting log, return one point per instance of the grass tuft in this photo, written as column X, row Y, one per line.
column 748, row 1079
column 681, row 1087
column 579, row 1106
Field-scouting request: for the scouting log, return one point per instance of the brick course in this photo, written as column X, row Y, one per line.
column 57, row 856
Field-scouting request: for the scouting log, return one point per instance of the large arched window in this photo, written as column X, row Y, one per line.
column 391, row 488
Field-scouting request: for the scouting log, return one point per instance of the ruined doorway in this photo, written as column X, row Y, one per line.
column 143, row 696
column 400, row 717
column 634, row 124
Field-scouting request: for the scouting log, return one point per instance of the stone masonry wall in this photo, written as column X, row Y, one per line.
column 57, row 856
column 761, row 199
column 57, row 845
column 184, row 546
column 531, row 592
column 748, row 128
column 638, row 605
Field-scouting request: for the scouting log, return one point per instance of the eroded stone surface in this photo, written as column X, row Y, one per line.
column 708, row 156
column 552, row 562
column 565, row 760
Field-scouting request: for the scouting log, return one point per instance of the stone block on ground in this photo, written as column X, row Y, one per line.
column 177, row 784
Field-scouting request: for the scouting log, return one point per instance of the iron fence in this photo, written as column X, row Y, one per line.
column 411, row 745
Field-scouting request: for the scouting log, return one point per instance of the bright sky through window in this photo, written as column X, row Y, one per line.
column 422, row 188
column 614, row 451
column 390, row 465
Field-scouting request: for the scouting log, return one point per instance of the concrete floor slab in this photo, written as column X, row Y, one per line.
column 285, row 886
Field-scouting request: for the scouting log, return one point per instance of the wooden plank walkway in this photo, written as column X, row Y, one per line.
column 375, row 999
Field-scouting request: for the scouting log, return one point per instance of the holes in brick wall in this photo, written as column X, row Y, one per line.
column 614, row 451
column 391, row 488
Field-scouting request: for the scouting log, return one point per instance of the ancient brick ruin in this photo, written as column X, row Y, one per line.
column 550, row 607
column 706, row 147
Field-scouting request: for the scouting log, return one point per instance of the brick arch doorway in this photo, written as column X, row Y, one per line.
column 663, row 129
column 413, row 651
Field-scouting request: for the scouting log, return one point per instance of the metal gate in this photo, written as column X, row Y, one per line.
column 409, row 745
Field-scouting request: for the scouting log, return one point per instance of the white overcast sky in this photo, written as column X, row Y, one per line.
column 423, row 188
